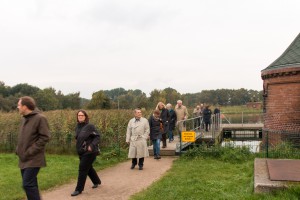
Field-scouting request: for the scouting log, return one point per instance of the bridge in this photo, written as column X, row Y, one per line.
column 217, row 133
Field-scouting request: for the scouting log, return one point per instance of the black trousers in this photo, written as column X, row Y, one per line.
column 141, row 162
column 164, row 139
column 86, row 169
column 30, row 184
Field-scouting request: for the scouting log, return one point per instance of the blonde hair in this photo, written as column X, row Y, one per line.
column 160, row 103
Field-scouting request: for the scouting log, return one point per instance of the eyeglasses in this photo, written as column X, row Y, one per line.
column 80, row 115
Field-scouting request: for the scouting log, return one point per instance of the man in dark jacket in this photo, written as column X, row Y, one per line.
column 32, row 139
column 207, row 117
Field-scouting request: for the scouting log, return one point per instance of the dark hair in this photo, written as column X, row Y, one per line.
column 156, row 111
column 29, row 102
column 85, row 114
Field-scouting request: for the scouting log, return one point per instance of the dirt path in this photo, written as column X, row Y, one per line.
column 118, row 182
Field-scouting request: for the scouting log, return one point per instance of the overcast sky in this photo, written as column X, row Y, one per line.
column 91, row 45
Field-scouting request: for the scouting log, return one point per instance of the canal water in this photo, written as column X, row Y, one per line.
column 243, row 119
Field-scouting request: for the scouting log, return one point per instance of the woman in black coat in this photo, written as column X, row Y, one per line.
column 156, row 129
column 172, row 121
column 87, row 140
column 206, row 118
column 165, row 117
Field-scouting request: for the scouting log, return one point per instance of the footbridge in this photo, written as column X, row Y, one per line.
column 216, row 133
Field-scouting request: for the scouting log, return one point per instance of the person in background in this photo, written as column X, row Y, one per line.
column 217, row 117
column 182, row 114
column 201, row 116
column 87, row 146
column 164, row 116
column 32, row 139
column 136, row 136
column 196, row 115
column 207, row 118
column 172, row 121
column 156, row 131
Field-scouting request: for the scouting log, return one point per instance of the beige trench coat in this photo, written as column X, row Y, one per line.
column 181, row 114
column 137, row 134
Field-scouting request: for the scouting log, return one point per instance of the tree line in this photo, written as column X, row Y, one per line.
column 119, row 98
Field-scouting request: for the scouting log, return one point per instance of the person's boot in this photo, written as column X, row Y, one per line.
column 132, row 166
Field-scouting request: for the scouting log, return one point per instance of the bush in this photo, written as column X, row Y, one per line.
column 229, row 154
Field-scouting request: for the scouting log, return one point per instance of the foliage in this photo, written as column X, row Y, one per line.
column 228, row 153
column 111, row 123
column 99, row 101
column 119, row 98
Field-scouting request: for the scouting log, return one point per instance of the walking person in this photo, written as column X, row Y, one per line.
column 196, row 115
column 136, row 136
column 156, row 131
column 182, row 114
column 32, row 139
column 87, row 146
column 217, row 117
column 207, row 118
column 164, row 116
column 172, row 121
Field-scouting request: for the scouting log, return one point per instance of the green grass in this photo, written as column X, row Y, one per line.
column 205, row 177
column 239, row 110
column 60, row 169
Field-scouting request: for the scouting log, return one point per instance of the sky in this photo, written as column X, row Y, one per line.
column 193, row 45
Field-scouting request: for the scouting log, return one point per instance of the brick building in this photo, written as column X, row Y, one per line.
column 281, row 86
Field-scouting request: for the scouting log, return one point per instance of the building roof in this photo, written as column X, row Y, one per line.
column 289, row 58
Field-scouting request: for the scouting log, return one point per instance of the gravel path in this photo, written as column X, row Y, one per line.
column 118, row 182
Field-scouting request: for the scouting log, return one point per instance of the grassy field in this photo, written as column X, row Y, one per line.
column 239, row 110
column 211, row 178
column 60, row 169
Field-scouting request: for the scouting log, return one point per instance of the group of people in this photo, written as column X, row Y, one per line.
column 204, row 113
column 161, row 123
column 34, row 135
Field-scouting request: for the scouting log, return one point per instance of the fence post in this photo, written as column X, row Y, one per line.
column 267, row 144
column 69, row 140
column 118, row 138
column 180, row 145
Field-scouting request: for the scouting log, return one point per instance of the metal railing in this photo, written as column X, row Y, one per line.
column 197, row 125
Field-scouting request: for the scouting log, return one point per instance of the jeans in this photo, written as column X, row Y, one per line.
column 30, row 184
column 171, row 137
column 156, row 147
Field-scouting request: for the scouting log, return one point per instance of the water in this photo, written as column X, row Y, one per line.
column 252, row 145
column 243, row 119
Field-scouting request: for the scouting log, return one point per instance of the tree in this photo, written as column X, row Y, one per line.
column 46, row 99
column 156, row 96
column 23, row 89
column 171, row 95
column 4, row 90
column 99, row 101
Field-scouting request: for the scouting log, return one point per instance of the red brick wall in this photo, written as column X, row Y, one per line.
column 282, row 99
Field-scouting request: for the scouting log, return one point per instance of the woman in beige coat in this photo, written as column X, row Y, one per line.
column 137, row 134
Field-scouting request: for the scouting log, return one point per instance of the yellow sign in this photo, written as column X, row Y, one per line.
column 188, row 136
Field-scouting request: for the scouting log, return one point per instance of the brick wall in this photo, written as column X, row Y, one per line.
column 282, row 99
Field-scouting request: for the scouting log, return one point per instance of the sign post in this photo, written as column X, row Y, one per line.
column 188, row 136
